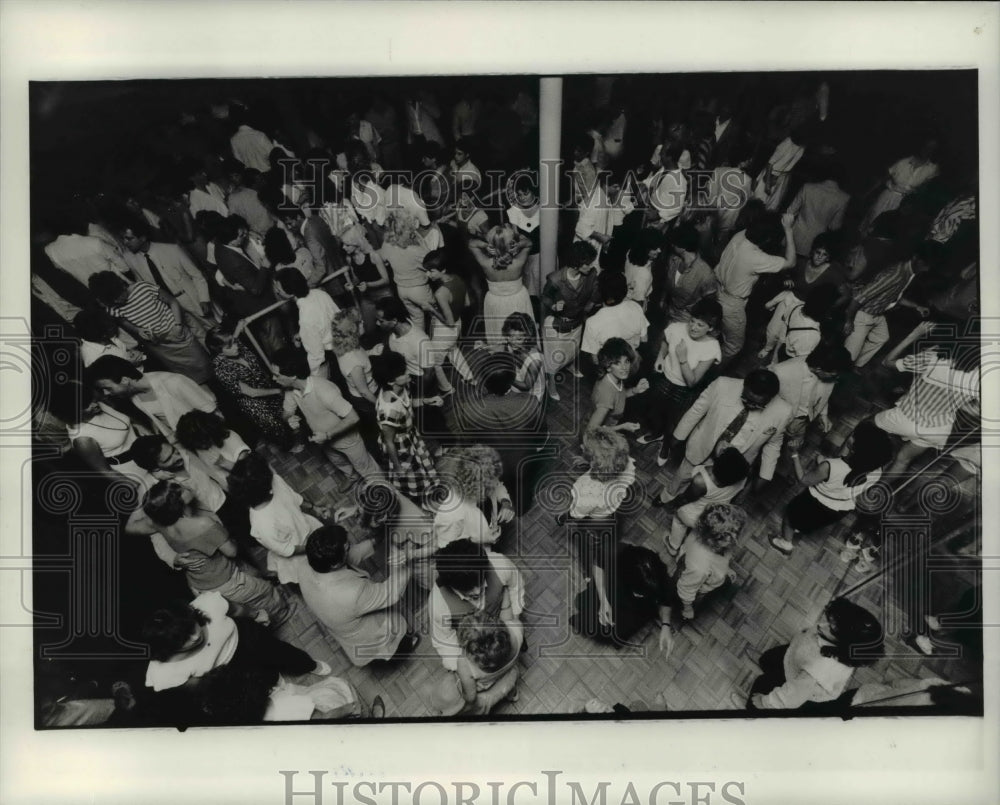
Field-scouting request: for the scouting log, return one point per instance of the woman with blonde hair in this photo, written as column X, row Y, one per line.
column 477, row 503
column 367, row 272
column 356, row 368
column 502, row 256
column 405, row 251
column 704, row 563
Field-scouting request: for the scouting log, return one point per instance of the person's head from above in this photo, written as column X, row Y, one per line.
column 251, row 480
column 281, row 164
column 176, row 629
column 435, row 265
column 290, row 366
column 582, row 146
column 670, row 155
column 730, row 467
column 486, row 642
column 463, row 151
column 759, row 388
column 291, row 215
column 501, row 244
column 615, row 358
column 497, row 371
column 767, row 232
column 326, row 548
column 929, row 148
column 135, row 236
column 277, row 249
column 389, row 371
column 720, row 526
column 166, row 502
column 580, row 256
column 519, row 331
column 606, row 453
column 820, row 302
column 232, row 231
column 928, row 255
column 704, row 319
column 645, row 247
column 390, row 313
column 867, row 448
column 851, row 634
column 613, row 287
column 108, row 288
column 828, row 361
column 95, row 325
column 821, row 250
column 291, row 284
column 525, row 189
column 402, row 229
column 345, row 331
column 111, row 376
column 431, row 155
column 221, row 341
column 194, row 171
column 156, row 455
column 644, row 576
column 201, row 430
column 725, row 110
column 462, row 567
column 470, row 471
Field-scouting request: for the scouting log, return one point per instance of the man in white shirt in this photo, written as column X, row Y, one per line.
column 464, row 171
column 742, row 261
column 167, row 266
column 82, row 256
column 251, row 147
column 619, row 318
column 665, row 189
column 316, row 314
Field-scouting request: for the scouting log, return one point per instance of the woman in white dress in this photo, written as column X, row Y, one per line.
column 502, row 256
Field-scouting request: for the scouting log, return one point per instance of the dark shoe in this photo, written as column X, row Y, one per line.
column 408, row 644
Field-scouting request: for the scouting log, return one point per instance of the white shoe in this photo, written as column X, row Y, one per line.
column 322, row 668
column 575, row 372
column 554, row 395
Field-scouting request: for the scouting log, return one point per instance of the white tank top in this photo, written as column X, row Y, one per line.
column 834, row 493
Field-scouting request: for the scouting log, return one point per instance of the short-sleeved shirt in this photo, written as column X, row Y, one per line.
column 348, row 362
column 697, row 351
column 204, row 534
column 414, row 346
column 689, row 286
column 741, row 262
column 221, row 639
column 407, row 263
column 607, row 395
column 321, row 403
column 625, row 320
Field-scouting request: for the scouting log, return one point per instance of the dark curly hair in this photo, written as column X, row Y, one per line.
column 169, row 628
column 200, row 430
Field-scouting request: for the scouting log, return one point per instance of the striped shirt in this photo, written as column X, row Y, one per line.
column 145, row 310
column 938, row 391
column 883, row 292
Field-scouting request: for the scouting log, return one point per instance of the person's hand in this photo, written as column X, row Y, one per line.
column 721, row 447
column 479, row 345
column 506, row 513
column 350, row 286
column 135, row 357
column 558, row 306
column 787, row 219
column 629, row 427
column 659, row 367
column 318, row 438
column 604, row 616
column 923, row 310
column 825, row 424
column 687, row 613
column 789, row 284
column 322, row 512
column 642, row 386
column 297, row 340
column 681, row 350
column 145, row 334
column 294, row 422
column 190, row 560
column 666, row 639
column 362, row 286
column 436, row 401
column 344, row 513
column 397, row 556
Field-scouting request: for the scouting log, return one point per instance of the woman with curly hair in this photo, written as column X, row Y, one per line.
column 615, row 360
column 704, row 563
column 813, row 671
column 595, row 498
column 410, row 467
column 240, row 372
column 213, row 441
column 404, row 251
column 502, row 255
column 487, row 669
column 368, row 274
column 476, row 503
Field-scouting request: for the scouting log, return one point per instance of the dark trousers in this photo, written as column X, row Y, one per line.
column 664, row 404
column 258, row 648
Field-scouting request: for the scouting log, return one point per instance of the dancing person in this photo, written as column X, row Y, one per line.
column 616, row 360
column 704, row 563
column 502, row 255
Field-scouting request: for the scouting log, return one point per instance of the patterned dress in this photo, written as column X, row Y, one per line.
column 266, row 412
column 416, row 472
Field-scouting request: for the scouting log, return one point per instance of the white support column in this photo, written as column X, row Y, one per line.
column 549, row 151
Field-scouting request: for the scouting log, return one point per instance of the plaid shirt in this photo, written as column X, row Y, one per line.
column 883, row 292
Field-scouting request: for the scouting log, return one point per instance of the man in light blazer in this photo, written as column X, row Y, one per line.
column 806, row 384
column 717, row 410
column 178, row 275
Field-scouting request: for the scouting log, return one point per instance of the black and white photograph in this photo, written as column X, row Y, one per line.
column 575, row 400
